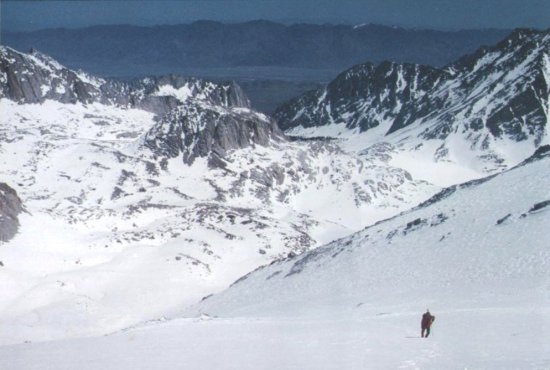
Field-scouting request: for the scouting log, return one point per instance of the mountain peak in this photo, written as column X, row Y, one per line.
column 497, row 94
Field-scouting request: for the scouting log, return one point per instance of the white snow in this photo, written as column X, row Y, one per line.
column 60, row 89
column 442, row 146
column 457, row 255
column 92, row 80
column 357, row 303
column 182, row 94
column 334, row 130
column 44, row 89
column 463, row 339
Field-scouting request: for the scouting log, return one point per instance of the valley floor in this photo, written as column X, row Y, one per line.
column 384, row 338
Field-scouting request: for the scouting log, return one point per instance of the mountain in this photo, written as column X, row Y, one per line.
column 36, row 77
column 207, row 48
column 144, row 196
column 484, row 103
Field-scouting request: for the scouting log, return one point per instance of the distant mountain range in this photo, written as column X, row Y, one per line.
column 271, row 61
column 207, row 48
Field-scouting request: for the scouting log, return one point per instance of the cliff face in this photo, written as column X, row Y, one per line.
column 10, row 208
column 34, row 77
column 202, row 130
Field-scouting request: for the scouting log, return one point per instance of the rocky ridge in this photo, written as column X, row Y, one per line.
column 497, row 92
column 35, row 77
column 207, row 118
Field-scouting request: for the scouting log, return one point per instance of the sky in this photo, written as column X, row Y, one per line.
column 19, row 15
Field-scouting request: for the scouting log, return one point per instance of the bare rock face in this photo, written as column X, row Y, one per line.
column 34, row 77
column 203, row 130
column 10, row 208
column 367, row 95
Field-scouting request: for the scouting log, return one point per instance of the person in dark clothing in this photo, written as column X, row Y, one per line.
column 426, row 324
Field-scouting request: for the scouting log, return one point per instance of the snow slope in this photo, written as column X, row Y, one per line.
column 476, row 255
column 134, row 216
column 470, row 245
column 139, row 208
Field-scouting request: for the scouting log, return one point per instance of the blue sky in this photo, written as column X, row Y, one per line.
column 439, row 14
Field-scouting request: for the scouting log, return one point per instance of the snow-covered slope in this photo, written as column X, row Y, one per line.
column 476, row 255
column 135, row 212
column 471, row 245
column 484, row 113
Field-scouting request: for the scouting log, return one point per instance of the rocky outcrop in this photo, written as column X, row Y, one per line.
column 500, row 91
column 10, row 208
column 227, row 94
column 35, row 77
column 203, row 130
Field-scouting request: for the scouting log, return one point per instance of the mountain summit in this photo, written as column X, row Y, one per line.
column 498, row 94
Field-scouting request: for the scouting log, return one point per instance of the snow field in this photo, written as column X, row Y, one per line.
column 492, row 338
